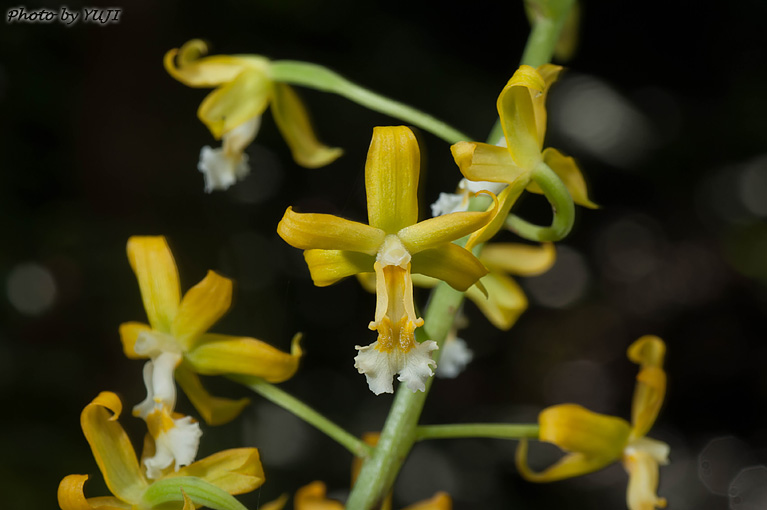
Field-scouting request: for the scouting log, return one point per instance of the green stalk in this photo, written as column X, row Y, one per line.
column 399, row 433
column 321, row 78
column 495, row 430
column 306, row 413
column 561, row 205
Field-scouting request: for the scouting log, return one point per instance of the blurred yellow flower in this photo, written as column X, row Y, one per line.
column 522, row 111
column 313, row 497
column 235, row 471
column 594, row 440
column 393, row 246
column 176, row 338
column 232, row 112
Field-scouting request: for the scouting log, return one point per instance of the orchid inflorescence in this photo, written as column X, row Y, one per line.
column 455, row 253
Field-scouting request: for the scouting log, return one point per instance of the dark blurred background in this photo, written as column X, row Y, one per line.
column 663, row 106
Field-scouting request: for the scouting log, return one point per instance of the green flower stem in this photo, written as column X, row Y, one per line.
column 321, row 78
column 547, row 24
column 306, row 413
column 399, row 433
column 496, row 430
column 562, row 207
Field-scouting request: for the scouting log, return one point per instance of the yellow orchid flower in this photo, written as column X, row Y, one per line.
column 232, row 112
column 234, row 471
column 175, row 340
column 393, row 246
column 522, row 111
column 314, row 497
column 595, row 440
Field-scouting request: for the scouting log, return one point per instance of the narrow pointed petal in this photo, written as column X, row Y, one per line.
column 293, row 122
column 224, row 354
column 642, row 493
column 70, row 493
column 650, row 390
column 550, row 74
column 519, row 259
column 518, row 116
column 236, row 471
column 449, row 263
column 440, row 501
column 111, row 447
column 572, row 464
column 576, row 429
column 157, row 275
column 504, row 303
column 483, row 162
column 329, row 266
column 201, row 307
column 391, row 178
column 236, row 102
column 327, row 232
column 567, row 170
column 506, row 199
column 214, row 410
column 434, row 232
column 190, row 66
column 129, row 333
column 312, row 497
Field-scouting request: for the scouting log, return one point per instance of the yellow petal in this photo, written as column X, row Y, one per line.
column 572, row 464
column 567, row 170
column 157, row 275
column 70, row 493
column 642, row 493
column 112, row 449
column 327, row 232
column 214, row 410
column 277, row 504
column 312, row 497
column 190, row 66
column 483, row 162
column 576, row 429
column 519, row 259
column 440, row 501
column 293, row 121
column 443, row 229
column 506, row 199
column 129, row 332
column 650, row 390
column 450, row 263
column 518, row 116
column 236, row 471
column 329, row 266
column 549, row 73
column 224, row 354
column 201, row 307
column 391, row 178
column 236, row 102
column 188, row 503
column 504, row 303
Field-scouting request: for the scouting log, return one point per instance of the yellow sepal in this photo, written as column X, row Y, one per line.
column 517, row 114
column 312, row 497
column 112, row 448
column 224, row 354
column 450, row 263
column 152, row 262
column 483, row 162
column 214, row 410
column 519, row 259
column 190, row 66
column 293, row 122
column 236, row 471
column 327, row 232
column 391, row 178
column 649, row 352
column 506, row 199
column 71, row 496
column 567, row 170
column 577, row 429
column 236, row 102
column 329, row 266
column 129, row 332
column 201, row 307
column 504, row 303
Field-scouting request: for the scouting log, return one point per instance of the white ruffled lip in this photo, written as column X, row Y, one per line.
column 224, row 166
column 414, row 367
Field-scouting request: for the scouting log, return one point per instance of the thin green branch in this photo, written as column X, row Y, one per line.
column 306, row 413
column 495, row 430
column 321, row 78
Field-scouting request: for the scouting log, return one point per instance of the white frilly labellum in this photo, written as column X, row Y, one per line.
column 178, row 445
column 455, row 356
column 227, row 164
column 414, row 367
